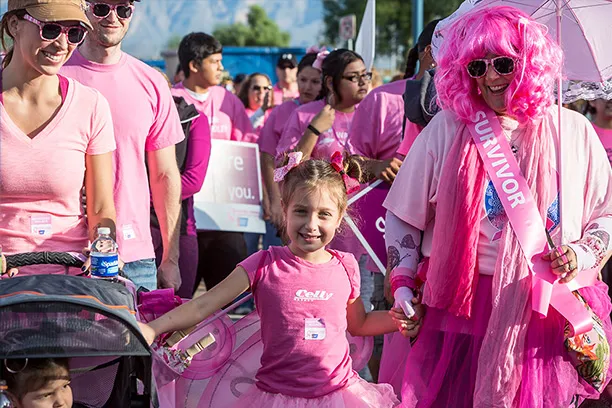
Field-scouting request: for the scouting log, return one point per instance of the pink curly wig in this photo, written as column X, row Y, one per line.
column 506, row 31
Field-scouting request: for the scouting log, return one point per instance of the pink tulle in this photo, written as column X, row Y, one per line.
column 441, row 368
column 393, row 361
column 358, row 393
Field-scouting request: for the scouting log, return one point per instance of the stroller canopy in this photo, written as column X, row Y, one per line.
column 51, row 316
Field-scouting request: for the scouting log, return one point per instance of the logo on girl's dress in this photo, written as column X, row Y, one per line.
column 302, row 295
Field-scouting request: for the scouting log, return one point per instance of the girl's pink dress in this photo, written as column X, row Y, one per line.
column 306, row 361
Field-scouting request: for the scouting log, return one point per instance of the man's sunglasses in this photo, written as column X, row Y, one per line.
column 479, row 67
column 258, row 88
column 102, row 10
column 52, row 31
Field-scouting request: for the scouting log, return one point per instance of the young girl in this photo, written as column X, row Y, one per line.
column 256, row 96
column 307, row 297
column 38, row 383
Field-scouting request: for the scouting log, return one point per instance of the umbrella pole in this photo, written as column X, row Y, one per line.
column 559, row 109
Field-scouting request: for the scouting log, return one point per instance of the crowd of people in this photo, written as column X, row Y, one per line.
column 92, row 137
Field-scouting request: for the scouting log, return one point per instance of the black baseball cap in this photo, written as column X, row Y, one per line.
column 287, row 59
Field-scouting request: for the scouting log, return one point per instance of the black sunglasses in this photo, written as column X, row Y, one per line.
column 102, row 10
column 479, row 67
column 52, row 31
column 261, row 88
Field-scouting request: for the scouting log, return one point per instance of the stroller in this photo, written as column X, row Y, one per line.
column 90, row 321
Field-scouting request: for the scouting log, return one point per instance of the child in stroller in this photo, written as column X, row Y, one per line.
column 38, row 383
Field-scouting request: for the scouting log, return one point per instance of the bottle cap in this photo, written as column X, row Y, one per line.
column 104, row 231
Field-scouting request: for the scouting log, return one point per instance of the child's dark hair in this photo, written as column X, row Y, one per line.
column 30, row 375
column 333, row 66
column 197, row 47
column 5, row 32
column 423, row 41
column 313, row 174
column 243, row 95
column 307, row 61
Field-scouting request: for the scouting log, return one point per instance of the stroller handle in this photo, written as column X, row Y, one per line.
column 45, row 258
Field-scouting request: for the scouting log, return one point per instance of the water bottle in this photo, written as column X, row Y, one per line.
column 104, row 256
column 5, row 401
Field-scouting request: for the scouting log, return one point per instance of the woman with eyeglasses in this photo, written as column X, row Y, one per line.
column 256, row 96
column 56, row 136
column 487, row 335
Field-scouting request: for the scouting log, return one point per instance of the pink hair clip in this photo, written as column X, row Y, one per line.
column 350, row 183
column 294, row 159
column 318, row 64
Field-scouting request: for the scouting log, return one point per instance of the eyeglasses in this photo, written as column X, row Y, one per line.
column 52, row 31
column 258, row 88
column 102, row 10
column 479, row 67
column 356, row 78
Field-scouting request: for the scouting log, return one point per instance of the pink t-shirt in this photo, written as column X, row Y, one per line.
column 333, row 140
column 605, row 135
column 41, row 178
column 377, row 127
column 281, row 96
column 145, row 119
column 273, row 128
column 291, row 293
column 225, row 112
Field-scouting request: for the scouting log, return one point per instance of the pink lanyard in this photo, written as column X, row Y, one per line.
column 526, row 222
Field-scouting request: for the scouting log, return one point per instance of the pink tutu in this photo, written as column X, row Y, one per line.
column 358, row 393
column 441, row 368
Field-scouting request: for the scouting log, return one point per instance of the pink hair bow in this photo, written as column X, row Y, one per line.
column 315, row 49
column 294, row 159
column 350, row 183
column 321, row 55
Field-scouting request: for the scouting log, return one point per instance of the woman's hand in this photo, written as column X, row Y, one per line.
column 324, row 119
column 409, row 327
column 147, row 332
column 563, row 262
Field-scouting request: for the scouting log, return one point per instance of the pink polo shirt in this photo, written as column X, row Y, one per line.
column 273, row 128
column 145, row 119
column 41, row 178
column 225, row 112
column 291, row 293
column 605, row 135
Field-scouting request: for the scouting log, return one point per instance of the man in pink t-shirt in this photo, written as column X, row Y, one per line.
column 286, row 88
column 147, row 127
column 200, row 58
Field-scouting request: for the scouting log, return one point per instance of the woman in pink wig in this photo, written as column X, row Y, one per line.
column 479, row 343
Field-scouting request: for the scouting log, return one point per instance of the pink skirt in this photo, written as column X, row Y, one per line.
column 358, row 393
column 442, row 365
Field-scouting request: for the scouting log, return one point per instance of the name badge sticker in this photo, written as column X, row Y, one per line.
column 128, row 232
column 314, row 329
column 41, row 225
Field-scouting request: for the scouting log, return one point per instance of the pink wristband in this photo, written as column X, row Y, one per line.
column 402, row 281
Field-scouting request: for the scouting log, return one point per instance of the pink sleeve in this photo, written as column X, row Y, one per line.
column 268, row 137
column 253, row 264
column 364, row 135
column 198, row 155
column 293, row 132
column 411, row 132
column 242, row 130
column 166, row 130
column 354, row 276
column 102, row 138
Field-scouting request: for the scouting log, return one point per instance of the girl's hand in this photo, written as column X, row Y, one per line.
column 563, row 262
column 408, row 327
column 147, row 332
column 324, row 119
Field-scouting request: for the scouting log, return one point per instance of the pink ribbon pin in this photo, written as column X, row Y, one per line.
column 350, row 183
column 294, row 159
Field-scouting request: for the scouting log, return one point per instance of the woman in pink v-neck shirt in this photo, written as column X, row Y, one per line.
column 56, row 136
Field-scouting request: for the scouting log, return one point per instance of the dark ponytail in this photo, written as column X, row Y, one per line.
column 411, row 63
column 5, row 32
